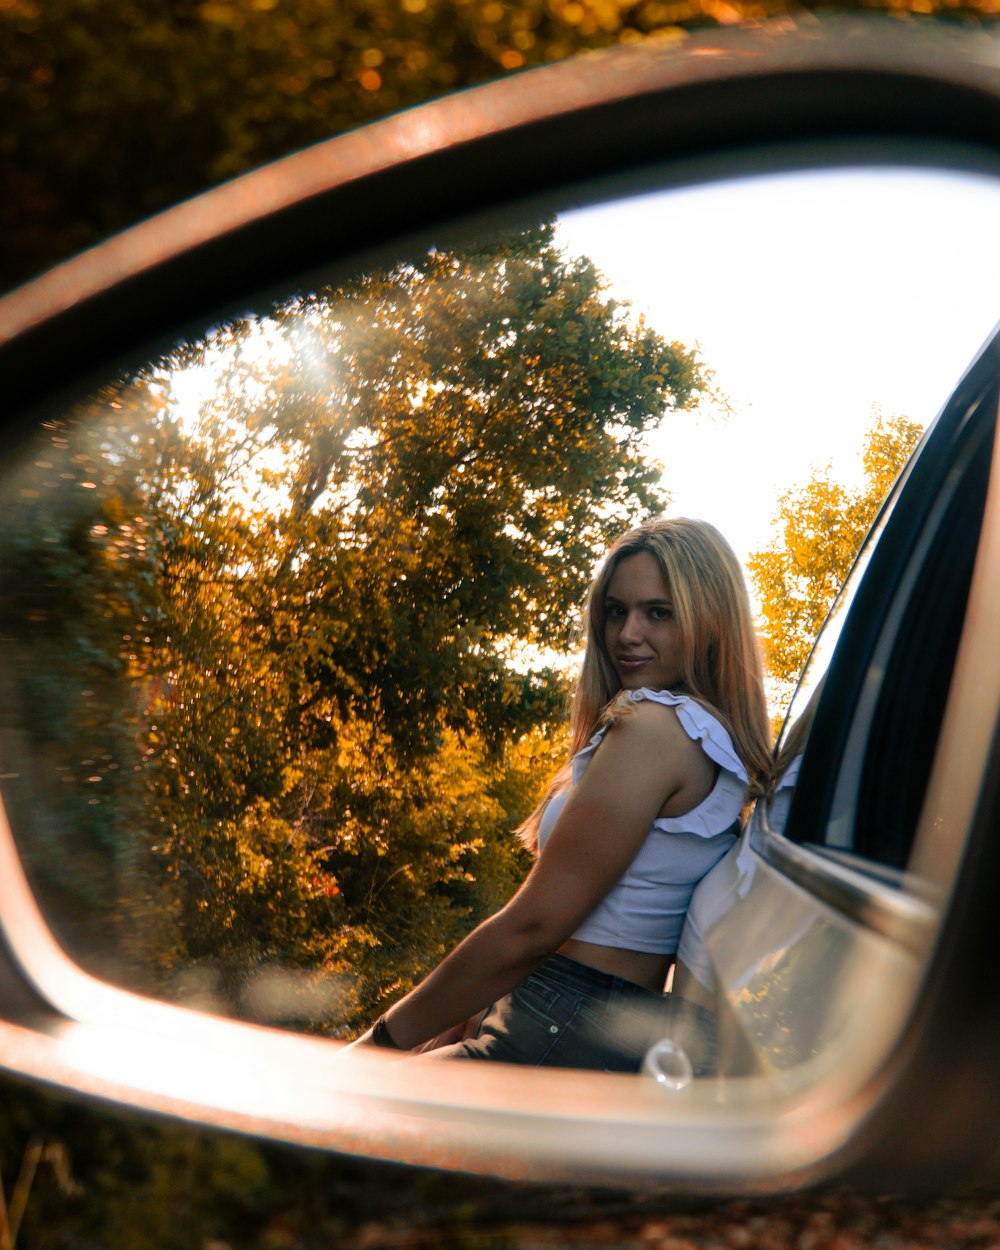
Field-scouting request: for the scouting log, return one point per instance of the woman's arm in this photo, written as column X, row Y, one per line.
column 644, row 760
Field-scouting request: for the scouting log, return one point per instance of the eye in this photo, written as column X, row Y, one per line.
column 613, row 611
column 662, row 614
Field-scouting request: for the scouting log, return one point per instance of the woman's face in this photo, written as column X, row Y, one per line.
column 640, row 633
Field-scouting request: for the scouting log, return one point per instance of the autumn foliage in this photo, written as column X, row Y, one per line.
column 819, row 528
column 286, row 611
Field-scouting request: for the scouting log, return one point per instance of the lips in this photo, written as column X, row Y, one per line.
column 633, row 661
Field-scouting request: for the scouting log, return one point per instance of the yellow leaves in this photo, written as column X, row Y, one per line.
column 294, row 84
column 820, row 527
column 217, row 13
column 887, row 446
column 254, row 869
column 291, row 776
column 572, row 13
column 320, row 556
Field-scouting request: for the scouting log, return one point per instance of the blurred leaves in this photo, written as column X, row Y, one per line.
column 115, row 109
column 160, row 1185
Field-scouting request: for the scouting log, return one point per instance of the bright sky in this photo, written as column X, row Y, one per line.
column 814, row 298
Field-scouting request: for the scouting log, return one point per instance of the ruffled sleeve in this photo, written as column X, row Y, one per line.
column 723, row 804
column 700, row 726
column 583, row 758
column 697, row 722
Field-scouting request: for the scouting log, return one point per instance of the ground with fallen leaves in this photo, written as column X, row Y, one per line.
column 839, row 1221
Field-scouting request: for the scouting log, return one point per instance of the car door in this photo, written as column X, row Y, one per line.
column 819, row 923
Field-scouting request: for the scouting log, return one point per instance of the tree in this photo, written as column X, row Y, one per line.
column 820, row 528
column 421, row 470
column 335, row 531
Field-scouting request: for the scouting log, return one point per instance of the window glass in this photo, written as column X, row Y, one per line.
column 889, row 651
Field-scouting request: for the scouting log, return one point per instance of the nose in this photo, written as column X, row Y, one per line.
column 632, row 628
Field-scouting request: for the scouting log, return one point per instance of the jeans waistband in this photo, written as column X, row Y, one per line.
column 570, row 974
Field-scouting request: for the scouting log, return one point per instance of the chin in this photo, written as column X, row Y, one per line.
column 637, row 681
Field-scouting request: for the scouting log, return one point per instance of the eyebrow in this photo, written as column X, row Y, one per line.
column 643, row 603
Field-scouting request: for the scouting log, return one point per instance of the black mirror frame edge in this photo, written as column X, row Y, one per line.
column 924, row 1119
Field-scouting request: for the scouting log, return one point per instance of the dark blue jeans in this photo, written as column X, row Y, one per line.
column 567, row 1015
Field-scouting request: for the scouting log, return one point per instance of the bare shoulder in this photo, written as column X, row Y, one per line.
column 649, row 738
column 646, row 763
column 652, row 728
column 649, row 719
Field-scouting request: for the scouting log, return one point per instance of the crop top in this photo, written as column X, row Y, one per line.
column 645, row 909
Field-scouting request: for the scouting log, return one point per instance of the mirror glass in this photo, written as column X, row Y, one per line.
column 290, row 616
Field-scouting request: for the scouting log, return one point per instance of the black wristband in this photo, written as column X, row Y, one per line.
column 381, row 1036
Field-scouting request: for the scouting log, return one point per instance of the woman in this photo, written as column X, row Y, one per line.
column 669, row 740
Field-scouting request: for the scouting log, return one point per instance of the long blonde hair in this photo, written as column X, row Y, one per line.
column 721, row 662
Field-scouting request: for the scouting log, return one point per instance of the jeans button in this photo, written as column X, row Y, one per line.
column 553, row 1028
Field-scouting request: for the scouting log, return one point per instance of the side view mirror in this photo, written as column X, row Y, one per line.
column 302, row 484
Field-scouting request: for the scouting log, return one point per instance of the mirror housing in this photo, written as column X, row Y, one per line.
column 785, row 96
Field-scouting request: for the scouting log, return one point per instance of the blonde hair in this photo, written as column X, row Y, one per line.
column 720, row 659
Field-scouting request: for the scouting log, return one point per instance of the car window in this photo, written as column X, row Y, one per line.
column 873, row 703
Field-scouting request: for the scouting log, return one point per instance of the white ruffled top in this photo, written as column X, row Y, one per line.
column 645, row 909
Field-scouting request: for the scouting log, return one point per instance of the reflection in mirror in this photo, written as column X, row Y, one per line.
column 290, row 617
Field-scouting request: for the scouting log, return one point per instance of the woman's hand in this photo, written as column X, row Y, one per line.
column 363, row 1041
column 467, row 1028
